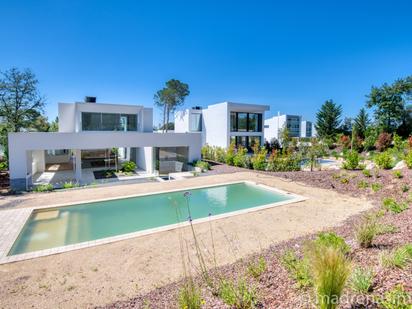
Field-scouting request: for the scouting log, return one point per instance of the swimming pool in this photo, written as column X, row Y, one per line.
column 62, row 226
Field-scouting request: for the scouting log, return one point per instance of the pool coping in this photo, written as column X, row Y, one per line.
column 4, row 258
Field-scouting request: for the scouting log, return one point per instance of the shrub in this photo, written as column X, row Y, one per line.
column 189, row 296
column 397, row 174
column 408, row 159
column 397, row 298
column 376, row 186
column 384, row 160
column 330, row 270
column 241, row 159
column 3, row 166
column 387, row 229
column 393, row 206
column 207, row 152
column 259, row 158
column 399, row 257
column 410, row 142
column 405, row 188
column 371, row 135
column 283, row 163
column 344, row 140
column 128, row 166
column 330, row 239
column 203, row 165
column 257, row 268
column 298, row 268
column 70, row 184
column 361, row 280
column 366, row 173
column 43, row 188
column 383, row 142
column 230, row 154
column 362, row 184
column 351, row 160
column 238, row 294
column 366, row 231
column 344, row 180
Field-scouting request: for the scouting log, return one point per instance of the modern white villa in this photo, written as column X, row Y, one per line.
column 223, row 123
column 294, row 123
column 96, row 137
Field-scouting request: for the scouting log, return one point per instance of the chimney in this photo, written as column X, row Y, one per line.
column 90, row 99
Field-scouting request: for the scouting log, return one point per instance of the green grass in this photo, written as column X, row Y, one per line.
column 391, row 205
column 297, row 268
column 361, row 280
column 376, row 186
column 239, row 295
column 330, row 239
column 257, row 268
column 362, row 184
column 367, row 173
column 396, row 298
column 397, row 174
column 189, row 296
column 397, row 258
column 43, row 188
column 366, row 231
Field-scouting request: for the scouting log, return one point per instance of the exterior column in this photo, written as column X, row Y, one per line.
column 78, row 164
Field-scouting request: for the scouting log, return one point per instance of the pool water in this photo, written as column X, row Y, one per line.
column 61, row 226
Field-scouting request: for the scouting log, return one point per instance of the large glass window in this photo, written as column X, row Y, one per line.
column 195, row 122
column 242, row 122
column 245, row 122
column 246, row 141
column 109, row 122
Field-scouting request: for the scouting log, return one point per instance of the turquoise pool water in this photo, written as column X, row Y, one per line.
column 84, row 222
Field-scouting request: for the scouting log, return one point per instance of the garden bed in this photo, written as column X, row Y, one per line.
column 275, row 287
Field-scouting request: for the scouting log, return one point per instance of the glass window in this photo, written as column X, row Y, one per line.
column 242, row 122
column 254, row 141
column 253, row 123
column 195, row 122
column 110, row 122
column 131, row 122
column 91, row 121
column 233, row 122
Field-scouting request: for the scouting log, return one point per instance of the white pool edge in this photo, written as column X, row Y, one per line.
column 46, row 252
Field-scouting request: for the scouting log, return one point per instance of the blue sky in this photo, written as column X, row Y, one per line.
column 291, row 55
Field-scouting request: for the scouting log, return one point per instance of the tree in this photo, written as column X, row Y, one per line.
column 171, row 97
column 284, row 138
column 361, row 123
column 389, row 101
column 54, row 125
column 328, row 119
column 20, row 101
column 346, row 127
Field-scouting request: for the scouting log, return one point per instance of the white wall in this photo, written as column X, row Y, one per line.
column 67, row 114
column 144, row 158
column 182, row 121
column 20, row 143
column 272, row 127
column 216, row 125
column 38, row 161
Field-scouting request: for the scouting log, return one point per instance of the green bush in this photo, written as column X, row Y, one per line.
column 408, row 159
column 366, row 173
column 3, row 166
column 43, row 188
column 330, row 239
column 399, row 257
column 189, row 296
column 397, row 174
column 257, row 268
column 376, row 186
column 362, row 184
column 397, row 298
column 352, row 159
column 241, row 159
column 405, row 188
column 383, row 142
column 393, row 206
column 128, row 166
column 238, row 294
column 330, row 270
column 284, row 162
column 230, row 154
column 70, row 184
column 361, row 280
column 366, row 231
column 298, row 268
column 203, row 165
column 384, row 160
column 259, row 158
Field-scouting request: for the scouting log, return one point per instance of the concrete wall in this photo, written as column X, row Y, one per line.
column 216, row 125
column 182, row 121
column 67, row 117
column 38, row 161
column 272, row 127
column 144, row 158
column 21, row 144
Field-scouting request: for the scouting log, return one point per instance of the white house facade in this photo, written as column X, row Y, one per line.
column 95, row 136
column 223, row 123
column 274, row 125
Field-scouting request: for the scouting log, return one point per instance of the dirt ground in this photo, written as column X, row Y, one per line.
column 107, row 273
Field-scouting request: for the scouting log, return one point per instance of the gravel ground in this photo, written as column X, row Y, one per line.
column 275, row 288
